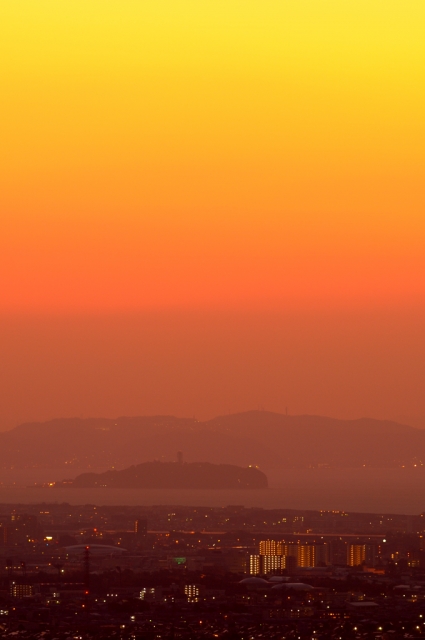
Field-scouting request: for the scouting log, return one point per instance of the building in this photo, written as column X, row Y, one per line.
column 271, row 564
column 141, row 527
column 306, row 555
column 270, row 548
column 303, row 555
column 192, row 592
column 358, row 554
column 254, row 565
column 20, row 591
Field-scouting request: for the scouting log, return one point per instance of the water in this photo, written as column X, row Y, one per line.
column 363, row 490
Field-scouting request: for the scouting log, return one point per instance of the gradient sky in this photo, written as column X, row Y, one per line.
column 211, row 206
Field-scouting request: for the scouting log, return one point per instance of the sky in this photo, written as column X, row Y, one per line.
column 211, row 207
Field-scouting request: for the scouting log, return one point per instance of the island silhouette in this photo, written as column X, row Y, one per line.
column 172, row 475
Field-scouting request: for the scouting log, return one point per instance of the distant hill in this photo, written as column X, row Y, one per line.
column 269, row 440
column 172, row 475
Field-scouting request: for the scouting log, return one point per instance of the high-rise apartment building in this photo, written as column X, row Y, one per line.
column 358, row 554
column 270, row 548
column 254, row 565
column 305, row 555
column 271, row 564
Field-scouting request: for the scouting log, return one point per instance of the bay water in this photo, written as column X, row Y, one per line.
column 368, row 490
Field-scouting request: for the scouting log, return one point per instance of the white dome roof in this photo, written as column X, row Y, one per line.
column 254, row 580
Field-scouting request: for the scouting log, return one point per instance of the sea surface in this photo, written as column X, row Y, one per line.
column 361, row 490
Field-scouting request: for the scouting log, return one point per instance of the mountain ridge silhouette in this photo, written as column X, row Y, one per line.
column 267, row 439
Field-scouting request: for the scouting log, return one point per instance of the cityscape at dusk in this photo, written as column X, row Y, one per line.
column 212, row 312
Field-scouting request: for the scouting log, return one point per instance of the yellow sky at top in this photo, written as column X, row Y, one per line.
column 241, row 140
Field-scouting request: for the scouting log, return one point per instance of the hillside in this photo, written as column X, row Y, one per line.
column 262, row 438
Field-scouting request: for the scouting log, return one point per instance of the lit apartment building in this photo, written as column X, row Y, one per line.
column 358, row 554
column 254, row 565
column 271, row 564
column 192, row 591
column 305, row 555
column 270, row 548
column 21, row 591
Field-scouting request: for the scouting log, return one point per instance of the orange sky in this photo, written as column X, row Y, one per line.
column 176, row 157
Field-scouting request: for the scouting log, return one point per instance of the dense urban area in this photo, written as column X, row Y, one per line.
column 199, row 572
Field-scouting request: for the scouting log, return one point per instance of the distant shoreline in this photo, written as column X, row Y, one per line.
column 65, row 488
